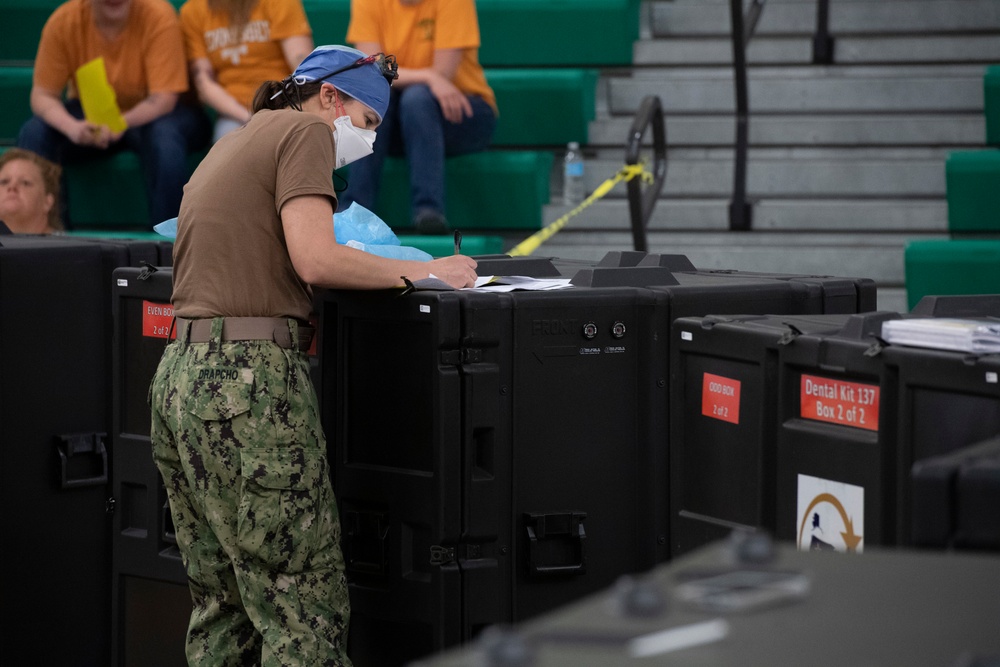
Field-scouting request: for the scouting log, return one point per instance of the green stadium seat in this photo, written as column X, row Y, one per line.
column 548, row 32
column 15, row 91
column 576, row 33
column 109, row 194
column 328, row 20
column 489, row 190
column 440, row 246
column 23, row 21
column 972, row 180
column 567, row 97
column 118, row 234
column 991, row 104
column 951, row 266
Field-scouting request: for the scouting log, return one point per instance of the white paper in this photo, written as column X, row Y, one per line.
column 943, row 333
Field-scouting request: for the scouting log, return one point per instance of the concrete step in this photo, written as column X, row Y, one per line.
column 796, row 173
column 872, row 49
column 711, row 17
column 815, row 215
column 915, row 89
column 878, row 255
column 951, row 129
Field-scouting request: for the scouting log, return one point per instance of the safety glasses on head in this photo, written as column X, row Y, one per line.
column 386, row 64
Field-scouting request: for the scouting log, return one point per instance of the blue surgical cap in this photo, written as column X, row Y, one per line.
column 364, row 83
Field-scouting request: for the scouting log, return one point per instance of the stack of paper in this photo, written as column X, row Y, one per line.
column 511, row 283
column 942, row 333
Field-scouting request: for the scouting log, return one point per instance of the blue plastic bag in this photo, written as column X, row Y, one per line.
column 356, row 227
column 359, row 228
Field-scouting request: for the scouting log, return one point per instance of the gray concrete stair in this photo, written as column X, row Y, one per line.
column 846, row 161
column 766, row 130
column 901, row 216
column 797, row 49
column 821, row 90
column 847, row 17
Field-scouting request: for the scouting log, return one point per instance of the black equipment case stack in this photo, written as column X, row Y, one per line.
column 836, row 445
column 946, row 401
column 54, row 454
column 150, row 599
column 843, row 477
column 496, row 455
column 723, row 424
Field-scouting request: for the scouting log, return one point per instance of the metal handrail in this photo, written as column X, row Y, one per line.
column 823, row 43
column 641, row 203
column 743, row 28
column 741, row 210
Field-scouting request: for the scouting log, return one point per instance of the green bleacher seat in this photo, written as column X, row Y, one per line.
column 493, row 189
column 108, row 194
column 972, row 180
column 991, row 104
column 567, row 97
column 328, row 20
column 557, row 32
column 23, row 21
column 15, row 91
column 524, row 32
column 118, row 234
column 439, row 246
column 951, row 266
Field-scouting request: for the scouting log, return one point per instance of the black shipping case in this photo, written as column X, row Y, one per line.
column 836, row 456
column 150, row 599
column 724, row 381
column 54, row 453
column 977, row 522
column 845, row 482
column 498, row 455
column 446, row 528
column 944, row 610
column 945, row 400
column 953, row 500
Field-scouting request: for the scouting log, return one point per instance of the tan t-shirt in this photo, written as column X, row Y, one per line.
column 230, row 256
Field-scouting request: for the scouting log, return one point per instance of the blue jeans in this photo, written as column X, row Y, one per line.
column 413, row 126
column 162, row 146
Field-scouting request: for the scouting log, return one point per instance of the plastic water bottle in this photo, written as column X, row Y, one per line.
column 573, row 186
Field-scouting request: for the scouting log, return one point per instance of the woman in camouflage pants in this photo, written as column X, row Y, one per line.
column 235, row 422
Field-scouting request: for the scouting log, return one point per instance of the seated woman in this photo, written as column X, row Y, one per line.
column 235, row 45
column 29, row 192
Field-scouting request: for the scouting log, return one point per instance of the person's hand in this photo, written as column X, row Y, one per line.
column 456, row 270
column 454, row 104
column 84, row 133
column 115, row 137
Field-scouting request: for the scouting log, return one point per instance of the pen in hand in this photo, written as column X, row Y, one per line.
column 458, row 242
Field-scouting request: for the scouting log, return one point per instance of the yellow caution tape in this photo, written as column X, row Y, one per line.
column 531, row 244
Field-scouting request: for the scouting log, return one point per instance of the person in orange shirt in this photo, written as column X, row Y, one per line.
column 440, row 106
column 235, row 45
column 142, row 47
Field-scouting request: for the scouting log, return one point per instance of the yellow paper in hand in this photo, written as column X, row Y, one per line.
column 98, row 97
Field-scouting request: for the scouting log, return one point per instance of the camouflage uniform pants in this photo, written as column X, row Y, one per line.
column 237, row 438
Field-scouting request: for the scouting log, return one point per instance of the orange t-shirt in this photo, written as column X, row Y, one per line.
column 148, row 57
column 413, row 32
column 243, row 62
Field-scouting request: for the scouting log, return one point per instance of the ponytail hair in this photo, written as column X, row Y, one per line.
column 287, row 93
column 284, row 94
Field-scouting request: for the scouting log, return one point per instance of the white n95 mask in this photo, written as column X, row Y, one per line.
column 353, row 143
